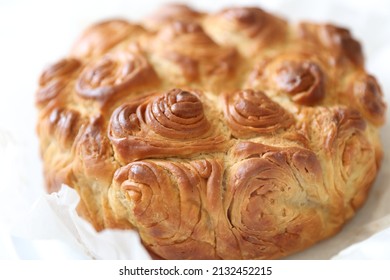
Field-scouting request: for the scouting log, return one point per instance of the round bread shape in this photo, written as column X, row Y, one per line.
column 226, row 135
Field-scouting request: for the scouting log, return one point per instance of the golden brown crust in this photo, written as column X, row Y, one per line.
column 232, row 135
column 304, row 81
column 367, row 97
column 250, row 29
column 54, row 80
column 115, row 73
column 337, row 40
column 250, row 112
column 192, row 55
column 300, row 76
column 168, row 124
column 169, row 13
column 275, row 196
column 103, row 36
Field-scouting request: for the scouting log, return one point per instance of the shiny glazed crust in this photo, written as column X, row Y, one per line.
column 232, row 135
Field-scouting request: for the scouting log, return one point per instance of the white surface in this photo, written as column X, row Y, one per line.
column 375, row 247
column 36, row 33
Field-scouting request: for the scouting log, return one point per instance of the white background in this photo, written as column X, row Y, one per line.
column 36, row 33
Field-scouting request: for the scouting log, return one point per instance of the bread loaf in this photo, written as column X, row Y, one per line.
column 227, row 135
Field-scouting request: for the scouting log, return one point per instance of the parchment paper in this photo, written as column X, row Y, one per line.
column 34, row 225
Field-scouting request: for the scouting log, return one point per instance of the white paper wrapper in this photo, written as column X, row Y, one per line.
column 59, row 209
column 34, row 225
column 377, row 246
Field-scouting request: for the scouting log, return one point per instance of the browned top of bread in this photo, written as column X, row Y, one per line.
column 231, row 135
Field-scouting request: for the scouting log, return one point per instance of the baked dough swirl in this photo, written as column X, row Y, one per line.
column 164, row 125
column 251, row 112
column 368, row 97
column 53, row 80
column 337, row 40
column 303, row 81
column 177, row 114
column 114, row 73
column 170, row 13
column 103, row 36
column 204, row 58
column 160, row 196
column 267, row 187
column 250, row 29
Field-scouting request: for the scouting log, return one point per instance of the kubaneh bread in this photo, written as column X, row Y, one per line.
column 227, row 135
